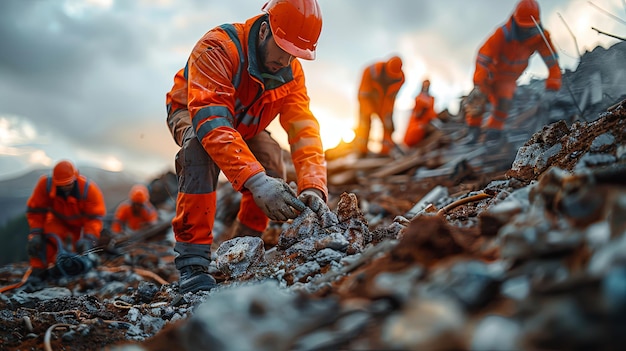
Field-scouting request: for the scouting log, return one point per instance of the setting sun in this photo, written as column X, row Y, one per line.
column 333, row 130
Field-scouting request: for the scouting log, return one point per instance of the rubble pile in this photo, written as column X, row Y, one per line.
column 456, row 254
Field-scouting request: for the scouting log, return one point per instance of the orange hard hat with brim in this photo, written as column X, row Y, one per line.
column 394, row 66
column 296, row 25
column 139, row 194
column 64, row 173
column 525, row 12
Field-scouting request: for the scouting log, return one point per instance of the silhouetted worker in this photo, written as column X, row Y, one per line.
column 500, row 62
column 136, row 212
column 380, row 84
column 423, row 112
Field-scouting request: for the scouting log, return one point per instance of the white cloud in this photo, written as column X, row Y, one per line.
column 92, row 75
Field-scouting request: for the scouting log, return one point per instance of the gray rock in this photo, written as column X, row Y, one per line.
column 236, row 256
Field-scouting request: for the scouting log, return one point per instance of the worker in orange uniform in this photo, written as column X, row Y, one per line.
column 423, row 112
column 380, row 84
column 64, row 213
column 500, row 62
column 136, row 212
column 238, row 78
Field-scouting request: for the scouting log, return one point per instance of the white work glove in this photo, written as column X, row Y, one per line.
column 314, row 199
column 475, row 102
column 277, row 200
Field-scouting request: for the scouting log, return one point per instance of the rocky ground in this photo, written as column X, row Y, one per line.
column 447, row 247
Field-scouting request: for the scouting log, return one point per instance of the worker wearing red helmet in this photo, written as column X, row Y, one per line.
column 500, row 62
column 423, row 112
column 380, row 83
column 238, row 78
column 64, row 213
column 136, row 212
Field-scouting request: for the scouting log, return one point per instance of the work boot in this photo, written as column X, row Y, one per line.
column 493, row 135
column 494, row 140
column 38, row 274
column 36, row 280
column 474, row 135
column 195, row 278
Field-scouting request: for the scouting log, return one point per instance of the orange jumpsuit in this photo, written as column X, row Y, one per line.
column 423, row 112
column 219, row 100
column 133, row 216
column 377, row 95
column 63, row 219
column 500, row 62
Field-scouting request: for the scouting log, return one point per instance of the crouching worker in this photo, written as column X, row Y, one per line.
column 238, row 78
column 64, row 213
column 136, row 212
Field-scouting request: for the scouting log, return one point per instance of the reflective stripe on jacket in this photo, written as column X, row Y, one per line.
column 83, row 208
column 231, row 100
column 379, row 87
column 505, row 57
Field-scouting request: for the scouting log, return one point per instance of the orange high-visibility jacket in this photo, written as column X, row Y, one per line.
column 230, row 100
column 144, row 215
column 423, row 112
column 83, row 208
column 504, row 57
column 379, row 89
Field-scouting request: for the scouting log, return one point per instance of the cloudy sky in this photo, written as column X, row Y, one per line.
column 86, row 79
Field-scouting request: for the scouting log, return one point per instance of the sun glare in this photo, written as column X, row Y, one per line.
column 333, row 130
column 112, row 164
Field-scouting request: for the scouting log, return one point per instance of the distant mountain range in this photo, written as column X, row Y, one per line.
column 15, row 192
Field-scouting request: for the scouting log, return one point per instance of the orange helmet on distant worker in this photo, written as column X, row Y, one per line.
column 139, row 194
column 64, row 173
column 394, row 66
column 524, row 13
column 296, row 25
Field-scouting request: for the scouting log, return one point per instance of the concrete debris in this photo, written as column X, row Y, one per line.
column 520, row 249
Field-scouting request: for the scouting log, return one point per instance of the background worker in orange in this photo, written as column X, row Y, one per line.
column 380, row 84
column 423, row 112
column 240, row 77
column 136, row 212
column 64, row 209
column 500, row 62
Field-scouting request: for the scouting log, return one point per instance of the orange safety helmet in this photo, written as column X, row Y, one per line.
column 139, row 194
column 296, row 25
column 64, row 173
column 524, row 13
column 394, row 66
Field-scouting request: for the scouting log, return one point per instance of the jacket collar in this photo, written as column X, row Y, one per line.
column 512, row 31
column 270, row 81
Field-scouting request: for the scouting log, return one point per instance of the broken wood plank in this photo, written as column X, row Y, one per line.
column 399, row 166
column 448, row 168
column 433, row 196
column 356, row 163
column 343, row 178
column 413, row 159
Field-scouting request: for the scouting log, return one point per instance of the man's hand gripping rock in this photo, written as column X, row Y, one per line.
column 274, row 197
